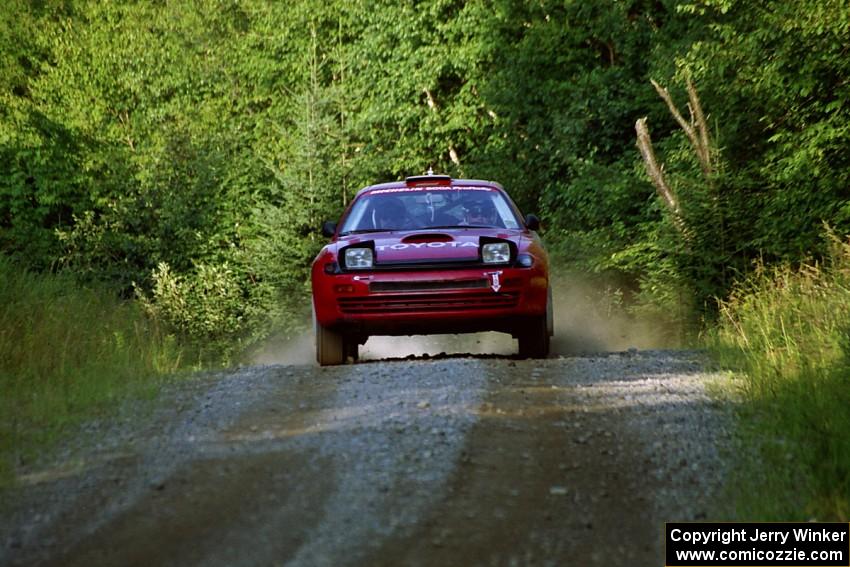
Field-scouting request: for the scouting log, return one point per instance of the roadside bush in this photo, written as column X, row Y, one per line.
column 68, row 353
column 208, row 306
column 786, row 334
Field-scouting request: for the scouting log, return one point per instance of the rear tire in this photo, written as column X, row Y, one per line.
column 534, row 338
column 329, row 346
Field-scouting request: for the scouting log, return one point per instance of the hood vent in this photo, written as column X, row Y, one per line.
column 415, row 238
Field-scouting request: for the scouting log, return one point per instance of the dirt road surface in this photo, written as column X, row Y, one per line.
column 459, row 460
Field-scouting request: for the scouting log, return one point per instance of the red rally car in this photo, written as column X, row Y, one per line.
column 427, row 255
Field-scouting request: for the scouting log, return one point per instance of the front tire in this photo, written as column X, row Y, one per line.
column 351, row 348
column 329, row 346
column 534, row 338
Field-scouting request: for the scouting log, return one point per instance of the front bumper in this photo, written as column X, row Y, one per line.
column 424, row 302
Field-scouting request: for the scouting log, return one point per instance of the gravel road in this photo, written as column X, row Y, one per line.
column 447, row 461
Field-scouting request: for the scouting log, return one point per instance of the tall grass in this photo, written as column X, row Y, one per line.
column 67, row 353
column 786, row 332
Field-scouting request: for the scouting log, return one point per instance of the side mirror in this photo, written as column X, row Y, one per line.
column 532, row 222
column 328, row 228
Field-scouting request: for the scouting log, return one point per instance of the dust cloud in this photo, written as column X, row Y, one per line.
column 590, row 317
column 499, row 344
column 298, row 350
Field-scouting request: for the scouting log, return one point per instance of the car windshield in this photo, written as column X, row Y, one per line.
column 431, row 207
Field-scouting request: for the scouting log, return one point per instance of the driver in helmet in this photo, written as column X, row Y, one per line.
column 481, row 212
column 391, row 214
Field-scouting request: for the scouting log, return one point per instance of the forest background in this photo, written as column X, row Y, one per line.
column 188, row 151
column 180, row 156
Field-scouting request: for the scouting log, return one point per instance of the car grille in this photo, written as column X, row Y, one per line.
column 416, row 303
column 482, row 283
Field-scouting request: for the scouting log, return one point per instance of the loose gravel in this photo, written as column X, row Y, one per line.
column 374, row 448
column 685, row 436
column 402, row 445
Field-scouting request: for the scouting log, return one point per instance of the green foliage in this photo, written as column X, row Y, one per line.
column 68, row 352
column 775, row 76
column 214, row 136
column 207, row 304
column 188, row 151
column 786, row 332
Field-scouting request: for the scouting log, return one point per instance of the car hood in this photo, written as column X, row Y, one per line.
column 429, row 245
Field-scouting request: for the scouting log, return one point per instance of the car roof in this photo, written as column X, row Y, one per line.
column 422, row 181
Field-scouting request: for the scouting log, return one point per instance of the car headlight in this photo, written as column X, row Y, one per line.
column 496, row 253
column 358, row 258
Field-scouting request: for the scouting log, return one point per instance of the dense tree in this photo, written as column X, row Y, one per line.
column 189, row 150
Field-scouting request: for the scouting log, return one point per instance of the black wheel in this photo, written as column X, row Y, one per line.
column 351, row 348
column 329, row 346
column 534, row 338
